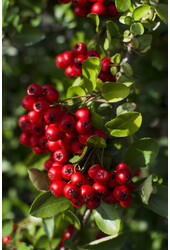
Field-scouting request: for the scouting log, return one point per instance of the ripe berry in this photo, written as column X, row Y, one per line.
column 57, row 187
column 93, row 53
column 88, row 181
column 38, row 150
column 105, row 64
column 53, row 145
column 98, row 9
column 27, row 102
column 24, row 123
column 79, row 60
column 37, row 129
column 131, row 186
column 71, row 191
column 48, row 164
column 61, row 156
column 60, row 63
column 80, row 12
column 64, row 144
column 86, row 192
column 80, row 49
column 102, row 176
column 93, row 170
column 99, row 190
column 104, row 76
column 79, row 3
column 51, row 95
column 77, row 147
column 121, row 193
column 109, row 199
column 34, row 91
column 83, row 113
column 69, row 71
column 34, row 117
column 77, row 202
column 93, row 203
column 67, row 124
column 54, row 173
column 33, row 141
column 47, row 87
column 112, row 180
column 122, row 166
column 123, row 177
column 68, row 58
column 53, row 133
column 99, row 133
column 83, row 126
column 43, row 142
column 111, row 10
column 67, row 171
column 53, row 116
column 77, row 71
column 56, row 164
column 77, row 179
column 6, row 239
column 40, row 106
column 24, row 139
column 84, row 137
column 126, row 203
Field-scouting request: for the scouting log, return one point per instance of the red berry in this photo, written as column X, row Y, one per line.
column 67, row 171
column 53, row 116
column 69, row 71
column 99, row 133
column 123, row 177
column 84, row 137
column 53, row 133
column 131, row 186
column 127, row 202
column 53, row 145
column 34, row 91
column 93, row 53
column 93, row 170
column 77, row 179
column 38, row 150
column 60, row 63
column 88, row 181
column 54, row 173
column 83, row 113
column 40, row 106
column 93, row 203
column 79, row 60
column 122, row 166
column 43, row 142
column 56, row 164
column 83, row 126
column 33, row 141
column 112, row 180
column 77, row 71
column 6, row 239
column 48, row 164
column 106, row 64
column 68, row 58
column 64, row 144
column 104, row 76
column 111, row 10
column 57, row 187
column 109, row 199
column 71, row 191
column 24, row 123
column 77, row 147
column 51, row 95
column 27, row 102
column 99, row 190
column 34, row 117
column 121, row 193
column 61, row 156
column 98, row 9
column 47, row 87
column 24, row 139
column 86, row 192
column 67, row 124
column 80, row 49
column 80, row 12
column 37, row 129
column 77, row 202
column 79, row 3
column 102, row 176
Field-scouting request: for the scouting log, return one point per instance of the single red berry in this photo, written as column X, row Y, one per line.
column 68, row 137
column 53, row 116
column 100, row 190
column 84, row 137
column 83, row 113
column 24, row 139
column 40, row 106
column 68, row 58
column 51, row 95
column 112, row 78
column 102, row 176
column 34, row 117
column 37, row 129
column 53, row 133
column 77, row 202
column 109, row 199
column 93, row 170
column 67, row 124
column 79, row 3
column 38, row 150
column 98, row 8
column 48, row 164
column 69, row 71
column 88, row 181
column 47, row 87
column 127, row 202
column 64, row 144
column 77, row 71
column 98, row 132
column 53, row 145
column 123, row 177
column 122, row 166
column 93, row 203
column 54, row 173
column 71, row 191
column 60, row 63
column 27, row 102
column 93, row 53
column 83, row 126
column 77, row 147
column 112, row 180
column 77, row 179
column 80, row 12
column 56, row 164
column 137, row 173
column 104, row 76
column 80, row 49
column 106, row 64
column 79, row 60
column 131, row 186
column 67, row 171
column 57, row 187
column 33, row 141
column 61, row 156
column 43, row 142
column 86, row 192
column 121, row 193
column 111, row 10
column 6, row 239
column 24, row 123
column 34, row 91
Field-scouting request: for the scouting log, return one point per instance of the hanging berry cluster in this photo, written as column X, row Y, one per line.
column 72, row 61
column 99, row 7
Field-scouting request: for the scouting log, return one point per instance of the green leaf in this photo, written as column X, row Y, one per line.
column 162, row 12
column 116, row 58
column 23, row 246
column 71, row 218
column 29, row 35
column 126, row 107
column 42, row 243
column 96, row 120
column 141, row 12
column 48, row 224
column 96, row 142
column 107, row 219
column 122, row 5
column 142, row 153
column 7, row 227
column 137, row 29
column 75, row 91
column 114, row 92
column 113, row 34
column 5, row 4
column 96, row 20
column 159, row 202
column 39, row 179
column 69, row 244
column 90, row 71
column 125, row 124
column 47, row 205
column 127, row 69
column 78, row 158
column 144, row 43
column 146, row 189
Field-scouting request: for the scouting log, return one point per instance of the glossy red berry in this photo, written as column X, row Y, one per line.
column 34, row 91
column 93, row 170
column 60, row 63
column 106, row 64
column 83, row 113
column 33, row 141
column 53, row 133
column 51, row 95
column 80, row 49
column 61, row 156
column 24, row 139
column 100, row 190
column 56, row 164
column 98, row 8
column 86, row 192
column 68, row 58
column 27, row 102
column 127, row 202
column 53, row 145
column 123, row 177
column 6, row 239
column 80, row 12
column 79, row 3
column 67, row 124
column 77, row 147
column 71, row 191
column 131, row 186
column 121, row 193
column 38, row 150
column 37, row 129
column 122, row 166
column 67, row 171
column 88, row 180
column 84, row 137
column 93, row 53
column 40, row 106
column 79, row 60
column 54, row 173
column 77, row 71
column 57, row 187
column 48, row 164
column 102, row 176
column 77, row 179
column 69, row 71
column 99, row 133
column 34, row 117
column 83, row 126
column 112, row 180
column 43, row 142
column 24, row 123
column 53, row 116
column 47, row 87
column 77, row 202
column 93, row 203
column 109, row 198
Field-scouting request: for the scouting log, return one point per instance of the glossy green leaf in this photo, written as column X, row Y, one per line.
column 96, row 120
column 162, row 12
column 122, row 5
column 71, row 218
column 146, row 189
column 75, row 91
column 42, row 243
column 107, row 219
column 116, row 58
column 96, row 142
column 127, row 69
column 114, row 92
column 141, row 12
column 96, row 20
column 39, row 179
column 126, row 107
column 142, row 153
column 144, row 42
column 47, row 205
column 90, row 71
column 125, row 124
column 48, row 224
column 137, row 29
column 7, row 227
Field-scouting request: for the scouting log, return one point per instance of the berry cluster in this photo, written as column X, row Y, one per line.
column 99, row 7
column 72, row 61
column 113, row 187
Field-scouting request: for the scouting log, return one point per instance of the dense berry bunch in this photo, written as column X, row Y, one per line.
column 72, row 61
column 112, row 187
column 99, row 7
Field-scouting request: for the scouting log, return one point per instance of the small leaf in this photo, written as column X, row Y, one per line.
column 127, row 69
column 96, row 142
column 146, row 189
column 96, row 120
column 162, row 12
column 107, row 219
column 116, row 58
column 141, row 12
column 122, row 5
column 7, row 227
column 78, row 158
column 144, row 43
column 48, row 224
column 137, row 29
column 71, row 218
column 114, row 92
column 125, row 124
column 142, row 153
column 96, row 20
column 39, row 179
column 75, row 91
column 46, row 205
column 126, row 107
